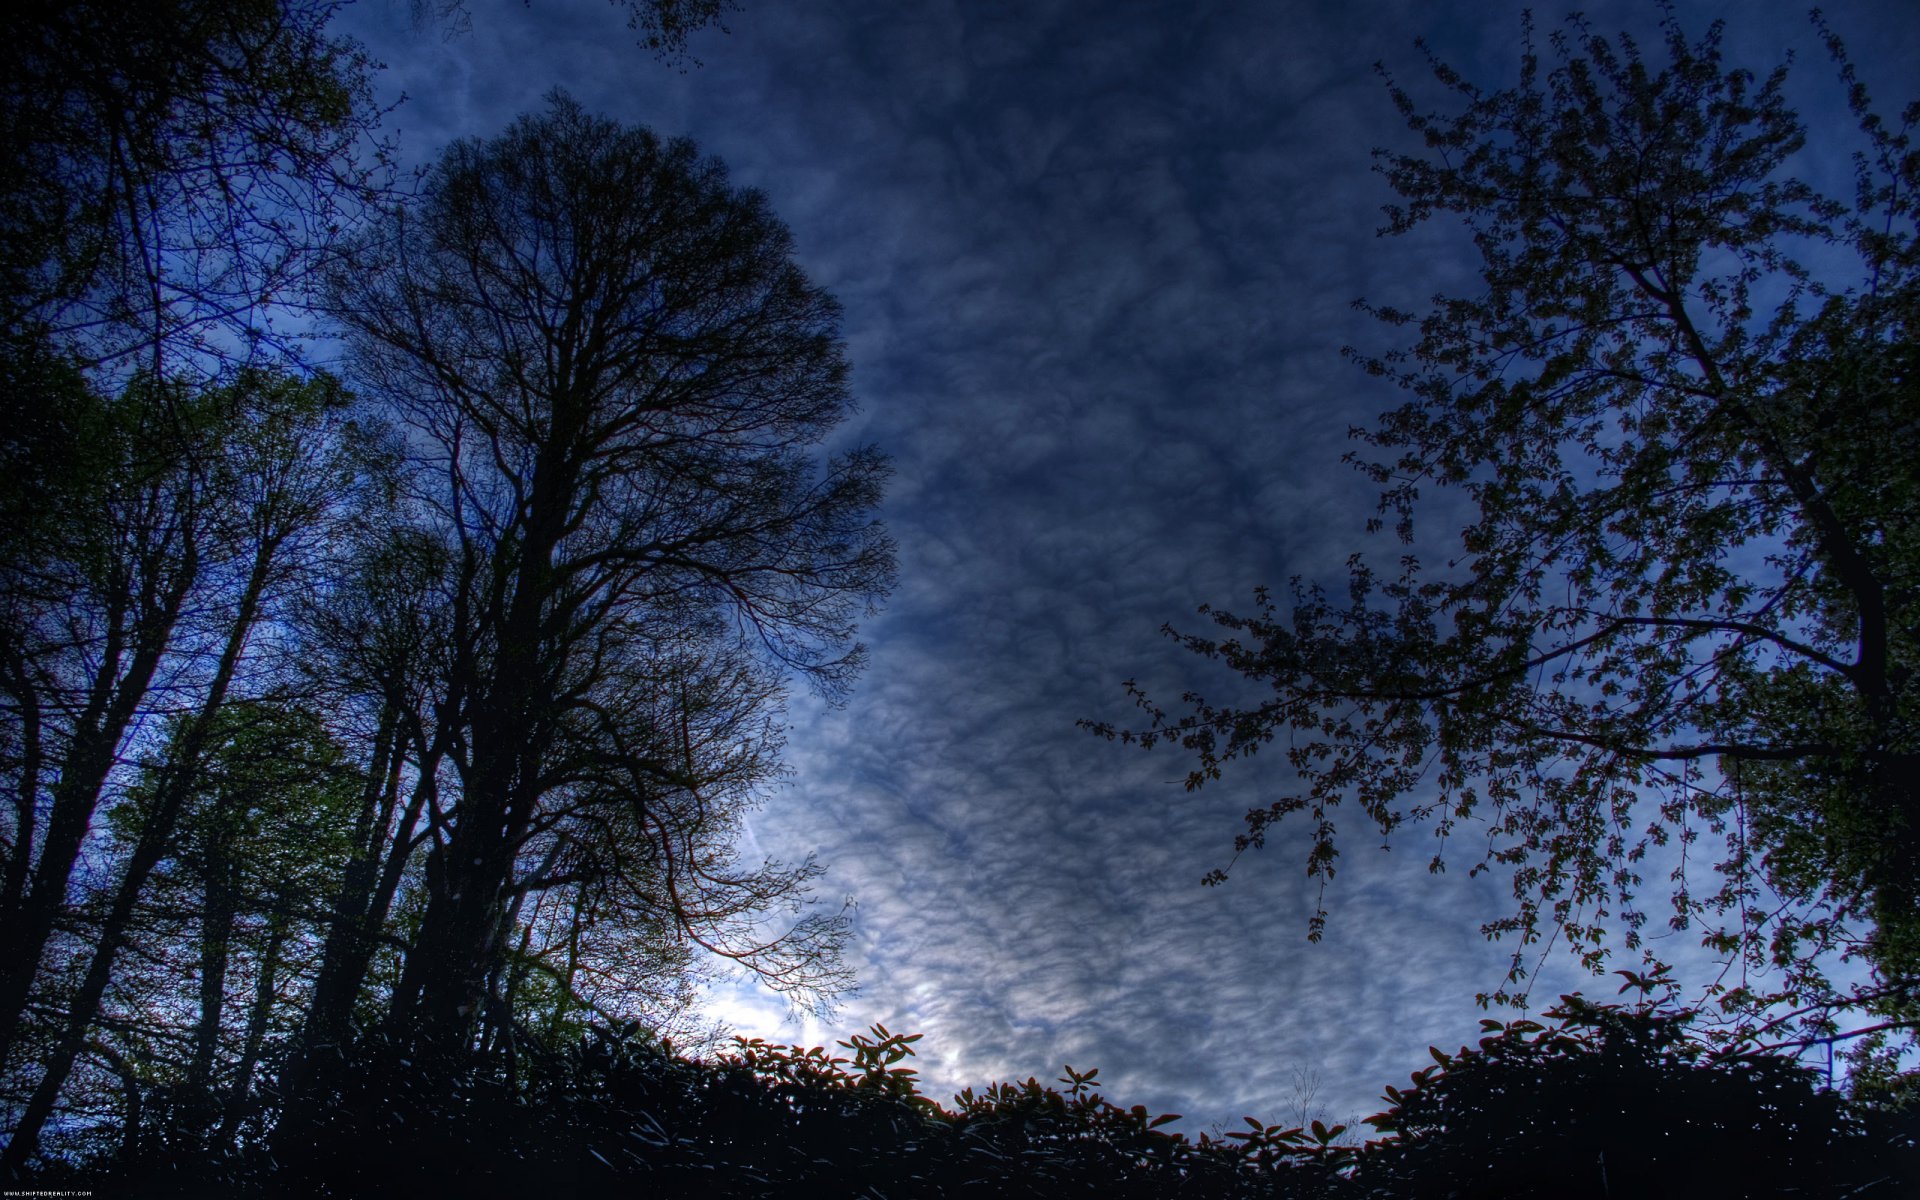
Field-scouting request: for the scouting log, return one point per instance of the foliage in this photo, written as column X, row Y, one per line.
column 172, row 170
column 304, row 674
column 1610, row 1100
column 170, row 176
column 1605, row 1100
column 1682, row 622
column 201, row 509
column 608, row 377
column 621, row 1108
column 230, row 914
column 663, row 26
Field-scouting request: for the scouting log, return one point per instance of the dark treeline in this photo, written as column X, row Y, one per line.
column 376, row 738
column 1600, row 1101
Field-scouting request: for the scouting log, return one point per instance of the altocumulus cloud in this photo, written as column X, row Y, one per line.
column 1096, row 262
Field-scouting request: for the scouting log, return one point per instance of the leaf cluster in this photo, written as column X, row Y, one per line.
column 1674, row 642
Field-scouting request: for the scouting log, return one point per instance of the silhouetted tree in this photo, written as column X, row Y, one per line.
column 1687, row 605
column 237, row 900
column 1612, row 1101
column 172, row 171
column 169, row 174
column 372, row 635
column 608, row 373
column 639, row 870
column 196, row 515
column 594, row 665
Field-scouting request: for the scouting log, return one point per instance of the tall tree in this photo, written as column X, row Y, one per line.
column 187, row 561
column 260, row 842
column 609, row 372
column 98, row 579
column 221, row 937
column 1687, row 606
column 171, row 173
column 373, row 638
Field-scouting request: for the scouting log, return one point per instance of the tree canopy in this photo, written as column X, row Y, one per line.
column 605, row 372
column 428, row 701
column 1678, row 635
column 176, row 172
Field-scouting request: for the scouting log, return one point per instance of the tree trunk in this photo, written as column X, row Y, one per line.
column 360, row 912
column 216, row 937
column 175, row 784
column 91, row 754
column 459, row 942
column 263, row 998
column 59, row 1065
column 27, row 792
column 339, row 975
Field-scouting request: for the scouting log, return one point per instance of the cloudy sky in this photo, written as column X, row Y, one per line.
column 1097, row 261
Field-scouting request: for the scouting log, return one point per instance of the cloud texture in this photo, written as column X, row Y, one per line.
column 1097, row 263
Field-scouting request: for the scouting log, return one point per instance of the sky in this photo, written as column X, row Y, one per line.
column 1097, row 262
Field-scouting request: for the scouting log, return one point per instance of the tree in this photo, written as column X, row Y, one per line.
column 1682, row 410
column 257, row 845
column 172, row 172
column 640, row 872
column 1611, row 1101
column 608, row 373
column 370, row 636
column 200, row 512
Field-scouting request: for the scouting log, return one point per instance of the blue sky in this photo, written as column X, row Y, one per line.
column 1097, row 263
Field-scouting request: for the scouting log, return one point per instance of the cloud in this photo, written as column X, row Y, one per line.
column 1096, row 265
